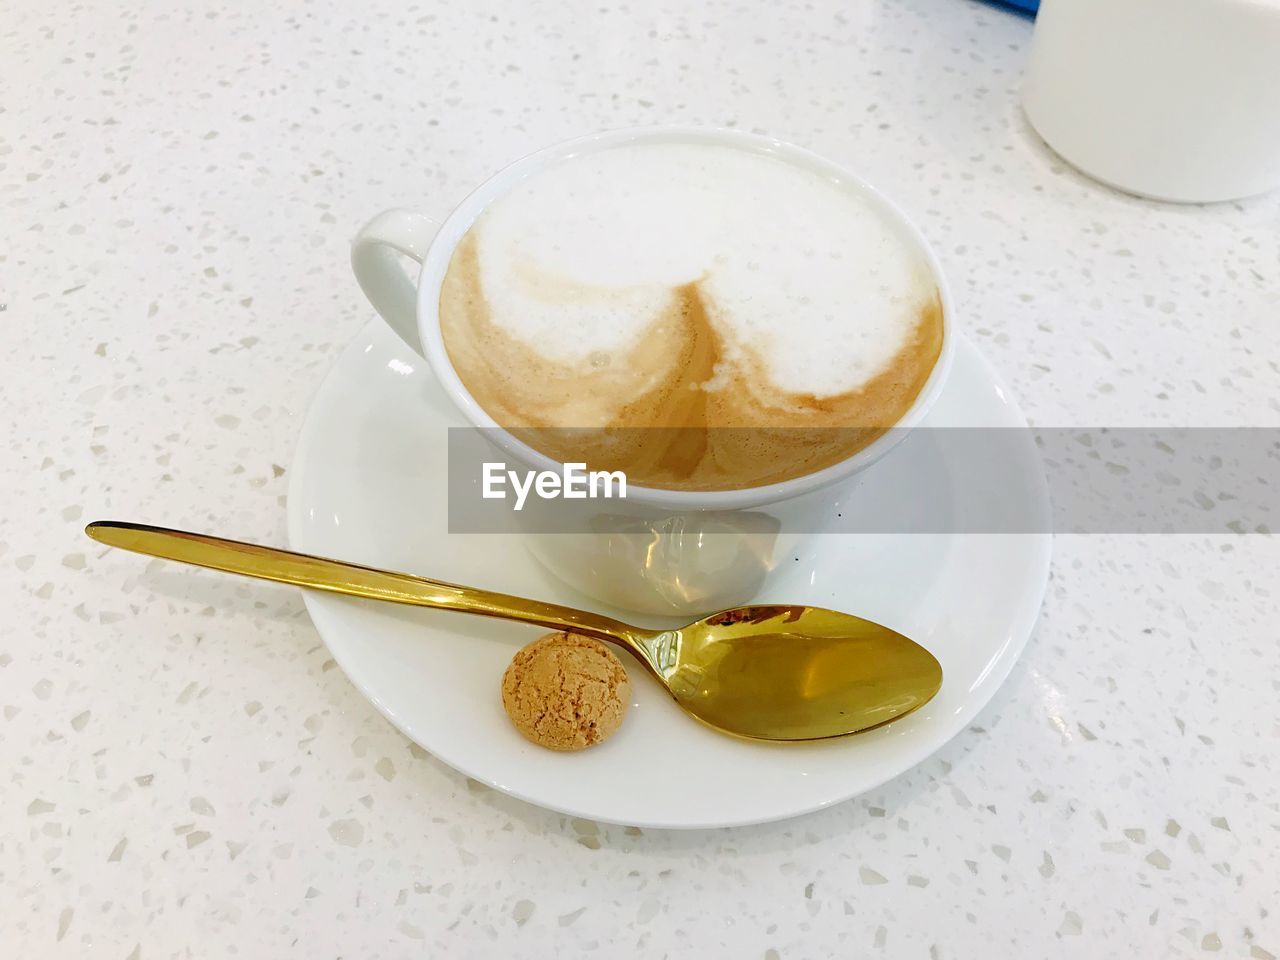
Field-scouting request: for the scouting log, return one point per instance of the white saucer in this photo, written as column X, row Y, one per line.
column 369, row 485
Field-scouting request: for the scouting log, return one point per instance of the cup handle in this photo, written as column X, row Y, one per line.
column 375, row 260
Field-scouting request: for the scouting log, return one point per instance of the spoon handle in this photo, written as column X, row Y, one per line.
column 335, row 576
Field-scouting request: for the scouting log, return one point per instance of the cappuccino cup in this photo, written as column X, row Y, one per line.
column 733, row 324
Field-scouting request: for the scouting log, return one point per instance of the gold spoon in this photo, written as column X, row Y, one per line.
column 766, row 672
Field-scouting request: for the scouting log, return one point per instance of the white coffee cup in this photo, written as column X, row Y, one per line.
column 1169, row 99
column 669, row 552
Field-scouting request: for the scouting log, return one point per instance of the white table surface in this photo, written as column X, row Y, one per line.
column 184, row 771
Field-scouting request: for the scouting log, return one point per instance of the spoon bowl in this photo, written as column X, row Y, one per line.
column 766, row 672
column 794, row 672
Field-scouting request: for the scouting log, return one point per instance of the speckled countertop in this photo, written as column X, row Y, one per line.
column 184, row 771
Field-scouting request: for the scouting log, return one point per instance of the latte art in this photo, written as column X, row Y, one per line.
column 701, row 317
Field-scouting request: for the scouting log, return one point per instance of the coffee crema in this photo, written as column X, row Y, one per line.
column 701, row 317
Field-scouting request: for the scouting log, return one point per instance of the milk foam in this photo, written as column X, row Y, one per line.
column 582, row 259
column 700, row 317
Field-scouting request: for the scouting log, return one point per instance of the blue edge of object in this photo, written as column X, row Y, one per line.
column 1026, row 8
